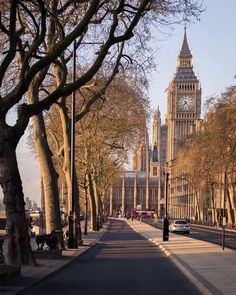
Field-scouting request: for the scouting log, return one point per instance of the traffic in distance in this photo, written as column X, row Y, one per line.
column 196, row 231
column 178, row 226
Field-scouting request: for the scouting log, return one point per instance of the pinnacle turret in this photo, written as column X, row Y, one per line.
column 157, row 113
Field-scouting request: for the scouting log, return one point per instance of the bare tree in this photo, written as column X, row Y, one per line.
column 209, row 153
column 105, row 136
column 24, row 59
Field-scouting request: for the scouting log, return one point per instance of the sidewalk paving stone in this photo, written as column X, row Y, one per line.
column 211, row 269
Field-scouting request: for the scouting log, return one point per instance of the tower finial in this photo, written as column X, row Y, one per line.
column 185, row 51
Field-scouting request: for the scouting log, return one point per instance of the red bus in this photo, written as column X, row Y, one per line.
column 146, row 213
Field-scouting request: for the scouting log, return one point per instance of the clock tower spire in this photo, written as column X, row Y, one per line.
column 185, row 51
column 184, row 101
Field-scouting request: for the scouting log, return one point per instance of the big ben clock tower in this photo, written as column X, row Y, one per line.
column 184, row 101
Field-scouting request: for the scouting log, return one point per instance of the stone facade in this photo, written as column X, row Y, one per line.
column 183, row 117
column 145, row 185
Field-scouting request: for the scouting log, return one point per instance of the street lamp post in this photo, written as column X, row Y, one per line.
column 224, row 215
column 72, row 222
column 72, row 239
column 166, row 221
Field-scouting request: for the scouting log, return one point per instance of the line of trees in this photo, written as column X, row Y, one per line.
column 208, row 154
column 104, row 138
column 36, row 53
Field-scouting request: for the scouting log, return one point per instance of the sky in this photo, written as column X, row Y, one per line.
column 212, row 41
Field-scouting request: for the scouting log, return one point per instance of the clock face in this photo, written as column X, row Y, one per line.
column 185, row 102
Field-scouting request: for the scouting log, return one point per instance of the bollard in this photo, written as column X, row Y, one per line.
column 166, row 229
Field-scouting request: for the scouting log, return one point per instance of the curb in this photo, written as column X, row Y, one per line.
column 189, row 273
column 47, row 276
column 60, row 268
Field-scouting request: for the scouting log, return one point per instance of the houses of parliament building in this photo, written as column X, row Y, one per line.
column 145, row 184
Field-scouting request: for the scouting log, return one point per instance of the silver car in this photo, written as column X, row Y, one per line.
column 179, row 225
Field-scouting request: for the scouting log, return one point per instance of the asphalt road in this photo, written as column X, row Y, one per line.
column 207, row 234
column 214, row 236
column 123, row 263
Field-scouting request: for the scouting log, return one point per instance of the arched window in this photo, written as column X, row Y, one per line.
column 155, row 154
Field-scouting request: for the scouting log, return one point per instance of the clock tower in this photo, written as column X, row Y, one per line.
column 184, row 101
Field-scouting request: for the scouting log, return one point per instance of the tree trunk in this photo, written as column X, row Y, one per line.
column 92, row 204
column 97, row 201
column 96, row 196
column 65, row 125
column 101, row 211
column 50, row 177
column 77, row 210
column 19, row 249
column 86, row 212
column 229, row 209
column 213, row 204
column 47, row 169
column 198, row 211
column 62, row 109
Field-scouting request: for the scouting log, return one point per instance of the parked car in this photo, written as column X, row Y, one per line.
column 179, row 225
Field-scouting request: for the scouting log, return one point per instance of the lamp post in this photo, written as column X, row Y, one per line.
column 166, row 221
column 224, row 215
column 72, row 221
column 72, row 239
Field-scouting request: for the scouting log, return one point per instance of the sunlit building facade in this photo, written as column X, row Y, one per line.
column 183, row 117
column 144, row 185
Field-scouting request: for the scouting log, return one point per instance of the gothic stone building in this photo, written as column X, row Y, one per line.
column 145, row 185
column 183, row 117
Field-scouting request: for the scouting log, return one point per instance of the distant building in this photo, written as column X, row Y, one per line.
column 144, row 185
column 2, row 206
column 31, row 205
column 184, row 101
column 183, row 116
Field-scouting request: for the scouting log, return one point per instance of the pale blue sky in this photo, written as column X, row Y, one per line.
column 213, row 45
column 212, row 42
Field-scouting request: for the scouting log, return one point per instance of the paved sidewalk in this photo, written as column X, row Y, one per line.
column 206, row 265
column 31, row 275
